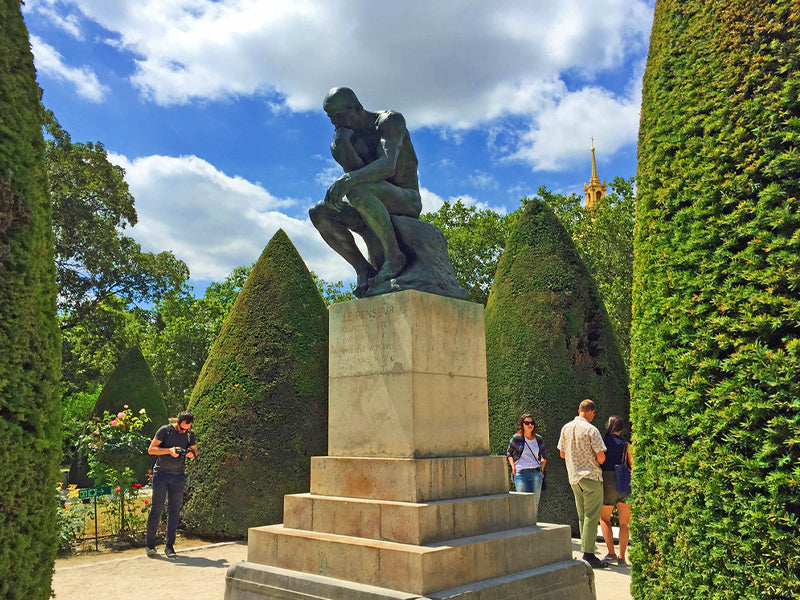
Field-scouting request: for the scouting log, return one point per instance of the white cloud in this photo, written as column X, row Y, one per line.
column 432, row 202
column 562, row 132
column 448, row 63
column 452, row 65
column 61, row 17
column 481, row 179
column 50, row 62
column 215, row 222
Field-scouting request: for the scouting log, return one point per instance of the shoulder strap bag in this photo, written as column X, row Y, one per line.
column 623, row 474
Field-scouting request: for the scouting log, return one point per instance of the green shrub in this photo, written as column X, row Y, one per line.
column 132, row 384
column 30, row 438
column 260, row 403
column 716, row 336
column 549, row 345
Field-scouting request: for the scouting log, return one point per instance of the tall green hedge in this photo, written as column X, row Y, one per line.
column 30, row 444
column 716, row 337
column 261, row 401
column 549, row 345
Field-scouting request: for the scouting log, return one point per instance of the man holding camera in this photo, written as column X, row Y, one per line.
column 172, row 444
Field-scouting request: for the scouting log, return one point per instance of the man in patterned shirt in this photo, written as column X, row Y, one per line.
column 582, row 447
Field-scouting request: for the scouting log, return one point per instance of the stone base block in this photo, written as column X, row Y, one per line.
column 566, row 580
column 409, row 522
column 407, row 377
column 409, row 479
column 410, row 568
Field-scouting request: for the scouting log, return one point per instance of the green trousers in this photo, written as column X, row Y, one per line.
column 589, row 502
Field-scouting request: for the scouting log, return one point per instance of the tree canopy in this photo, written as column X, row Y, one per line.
column 91, row 207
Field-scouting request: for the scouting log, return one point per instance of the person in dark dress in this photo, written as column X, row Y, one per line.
column 618, row 452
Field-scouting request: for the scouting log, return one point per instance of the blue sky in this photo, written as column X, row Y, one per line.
column 213, row 107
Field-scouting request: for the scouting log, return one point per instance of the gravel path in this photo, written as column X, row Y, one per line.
column 199, row 573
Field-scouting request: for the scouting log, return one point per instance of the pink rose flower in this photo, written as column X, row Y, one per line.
column 125, row 406
column 121, row 415
column 113, row 422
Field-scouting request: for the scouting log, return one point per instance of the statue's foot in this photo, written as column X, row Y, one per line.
column 362, row 282
column 389, row 270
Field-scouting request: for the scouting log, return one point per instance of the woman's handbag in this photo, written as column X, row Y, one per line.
column 623, row 474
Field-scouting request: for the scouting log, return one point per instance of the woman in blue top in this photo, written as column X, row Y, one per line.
column 527, row 456
column 617, row 453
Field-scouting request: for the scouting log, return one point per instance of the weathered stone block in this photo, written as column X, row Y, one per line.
column 413, row 364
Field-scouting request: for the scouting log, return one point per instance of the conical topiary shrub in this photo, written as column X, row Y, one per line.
column 549, row 345
column 130, row 383
column 716, row 304
column 30, row 420
column 260, row 403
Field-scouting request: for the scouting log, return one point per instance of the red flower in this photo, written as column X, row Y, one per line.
column 118, row 489
column 146, row 502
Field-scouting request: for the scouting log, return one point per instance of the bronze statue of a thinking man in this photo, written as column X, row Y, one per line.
column 379, row 180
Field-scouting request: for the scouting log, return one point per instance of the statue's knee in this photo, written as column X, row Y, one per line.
column 315, row 213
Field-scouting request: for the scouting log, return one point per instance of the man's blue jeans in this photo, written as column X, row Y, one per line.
column 169, row 487
column 529, row 481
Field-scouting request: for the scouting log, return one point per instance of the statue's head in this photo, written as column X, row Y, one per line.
column 342, row 107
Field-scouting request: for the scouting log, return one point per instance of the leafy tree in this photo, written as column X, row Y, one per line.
column 181, row 331
column 475, row 241
column 30, row 437
column 716, row 335
column 260, row 404
column 333, row 292
column 91, row 208
column 549, row 345
column 93, row 347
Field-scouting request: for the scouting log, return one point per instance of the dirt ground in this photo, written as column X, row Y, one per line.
column 199, row 573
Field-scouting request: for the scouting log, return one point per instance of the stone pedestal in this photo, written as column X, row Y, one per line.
column 409, row 504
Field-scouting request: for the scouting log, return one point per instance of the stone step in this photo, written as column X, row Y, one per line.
column 406, row 567
column 409, row 522
column 565, row 580
column 409, row 479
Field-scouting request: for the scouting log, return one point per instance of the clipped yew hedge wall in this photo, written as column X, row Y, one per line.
column 549, row 345
column 30, row 436
column 261, row 401
column 716, row 337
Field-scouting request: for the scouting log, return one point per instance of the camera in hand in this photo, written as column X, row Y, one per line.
column 181, row 451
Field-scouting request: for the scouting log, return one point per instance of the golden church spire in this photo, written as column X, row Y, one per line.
column 595, row 190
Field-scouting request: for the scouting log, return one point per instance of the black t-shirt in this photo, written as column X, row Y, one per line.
column 171, row 437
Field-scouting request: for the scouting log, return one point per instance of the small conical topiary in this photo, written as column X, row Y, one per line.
column 132, row 383
column 549, row 345
column 260, row 403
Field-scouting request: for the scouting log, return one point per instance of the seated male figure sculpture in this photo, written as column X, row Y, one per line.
column 379, row 180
